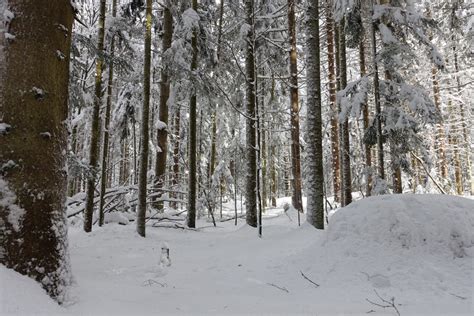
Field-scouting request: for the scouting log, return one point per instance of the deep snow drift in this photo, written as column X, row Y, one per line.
column 418, row 249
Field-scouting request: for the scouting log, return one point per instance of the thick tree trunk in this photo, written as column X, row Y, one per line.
column 34, row 77
column 294, row 110
column 192, row 192
column 95, row 133
column 162, row 130
column 335, row 159
column 105, row 145
column 251, row 179
column 145, row 137
column 315, row 215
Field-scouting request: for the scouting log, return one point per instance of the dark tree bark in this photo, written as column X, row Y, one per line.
column 315, row 215
column 335, row 158
column 33, row 142
column 367, row 149
column 378, row 107
column 162, row 133
column 345, row 145
column 294, row 110
column 145, row 137
column 105, row 146
column 95, row 133
column 192, row 192
column 175, row 173
column 251, row 180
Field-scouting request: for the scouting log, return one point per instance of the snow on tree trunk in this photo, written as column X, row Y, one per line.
column 33, row 107
column 105, row 145
column 94, row 142
column 335, row 157
column 344, row 125
column 294, row 110
column 162, row 133
column 145, row 136
column 315, row 177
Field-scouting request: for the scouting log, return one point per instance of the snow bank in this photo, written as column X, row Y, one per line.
column 403, row 244
column 20, row 295
column 407, row 224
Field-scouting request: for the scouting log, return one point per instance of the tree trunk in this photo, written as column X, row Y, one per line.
column 192, row 192
column 294, row 110
column 162, row 131
column 368, row 154
column 34, row 77
column 345, row 145
column 378, row 107
column 335, row 159
column 175, row 173
column 251, row 180
column 94, row 142
column 145, row 137
column 315, row 214
column 105, row 145
column 467, row 144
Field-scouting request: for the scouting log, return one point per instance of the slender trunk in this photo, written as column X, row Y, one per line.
column 335, row 158
column 175, row 173
column 142, row 182
column 191, row 218
column 467, row 144
column 105, row 145
column 251, row 181
column 378, row 107
column 345, row 145
column 94, row 142
column 315, row 215
column 34, row 76
column 162, row 130
column 294, row 110
column 273, row 173
column 368, row 154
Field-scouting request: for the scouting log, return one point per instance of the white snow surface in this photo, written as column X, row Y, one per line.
column 417, row 249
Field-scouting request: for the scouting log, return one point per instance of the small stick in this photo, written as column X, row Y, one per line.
column 308, row 279
column 280, row 288
column 390, row 304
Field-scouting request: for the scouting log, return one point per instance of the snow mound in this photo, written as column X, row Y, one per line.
column 20, row 295
column 403, row 244
column 432, row 224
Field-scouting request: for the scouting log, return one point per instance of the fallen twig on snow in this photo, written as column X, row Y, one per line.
column 308, row 279
column 385, row 303
column 284, row 289
column 459, row 296
column 150, row 282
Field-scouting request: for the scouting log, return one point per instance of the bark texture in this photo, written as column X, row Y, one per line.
column 251, row 180
column 192, row 192
column 315, row 214
column 33, row 227
column 145, row 137
column 162, row 133
column 345, row 142
column 335, row 158
column 95, row 133
column 105, row 145
column 294, row 110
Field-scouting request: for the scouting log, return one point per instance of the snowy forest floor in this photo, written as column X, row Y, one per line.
column 417, row 249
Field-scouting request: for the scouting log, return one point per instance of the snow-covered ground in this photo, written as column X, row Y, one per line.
column 416, row 249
